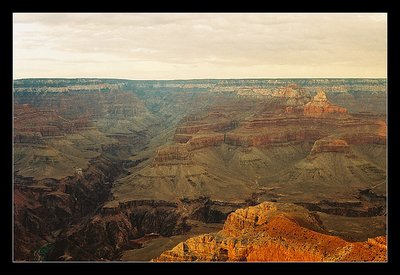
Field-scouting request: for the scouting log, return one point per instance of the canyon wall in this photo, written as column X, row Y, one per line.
column 100, row 163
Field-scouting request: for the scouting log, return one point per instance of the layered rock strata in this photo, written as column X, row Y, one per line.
column 320, row 106
column 275, row 232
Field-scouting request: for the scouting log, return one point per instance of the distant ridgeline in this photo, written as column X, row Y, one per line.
column 73, row 84
column 345, row 92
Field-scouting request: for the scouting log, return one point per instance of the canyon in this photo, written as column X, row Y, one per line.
column 106, row 168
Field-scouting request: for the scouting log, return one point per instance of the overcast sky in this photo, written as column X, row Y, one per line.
column 184, row 46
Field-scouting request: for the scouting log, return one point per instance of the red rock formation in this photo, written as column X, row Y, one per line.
column 330, row 145
column 286, row 125
column 320, row 106
column 274, row 232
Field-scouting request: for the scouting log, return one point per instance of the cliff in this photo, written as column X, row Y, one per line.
column 330, row 145
column 274, row 232
column 172, row 155
column 206, row 140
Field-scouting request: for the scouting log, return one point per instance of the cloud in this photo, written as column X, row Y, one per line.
column 227, row 43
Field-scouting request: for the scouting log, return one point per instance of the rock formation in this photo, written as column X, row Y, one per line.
column 206, row 140
column 275, row 232
column 330, row 145
column 320, row 106
column 106, row 234
column 172, row 155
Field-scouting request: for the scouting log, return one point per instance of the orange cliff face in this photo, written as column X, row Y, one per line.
column 320, row 106
column 330, row 145
column 275, row 232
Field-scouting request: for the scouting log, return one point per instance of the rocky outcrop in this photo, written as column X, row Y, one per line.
column 243, row 220
column 172, row 155
column 330, row 145
column 274, row 232
column 320, row 106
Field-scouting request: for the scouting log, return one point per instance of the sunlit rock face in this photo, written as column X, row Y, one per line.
column 320, row 106
column 275, row 232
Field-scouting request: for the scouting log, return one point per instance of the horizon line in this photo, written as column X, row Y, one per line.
column 188, row 79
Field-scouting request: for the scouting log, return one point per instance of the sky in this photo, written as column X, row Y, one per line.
column 199, row 45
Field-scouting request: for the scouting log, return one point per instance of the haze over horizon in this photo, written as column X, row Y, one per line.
column 199, row 46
